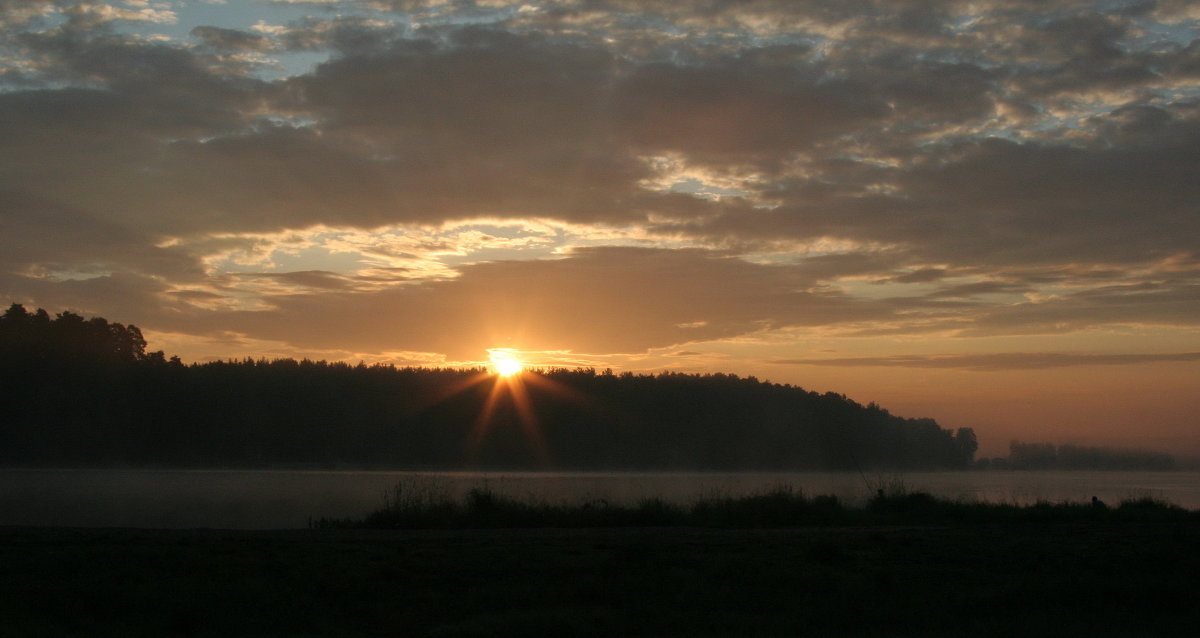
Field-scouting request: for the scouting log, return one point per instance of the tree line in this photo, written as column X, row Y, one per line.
column 82, row 392
column 1047, row 456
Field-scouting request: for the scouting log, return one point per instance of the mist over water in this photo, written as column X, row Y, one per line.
column 280, row 499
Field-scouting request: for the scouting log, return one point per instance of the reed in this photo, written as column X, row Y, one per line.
column 412, row 506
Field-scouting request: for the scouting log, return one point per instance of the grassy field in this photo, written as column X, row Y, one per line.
column 1009, row 578
column 421, row 508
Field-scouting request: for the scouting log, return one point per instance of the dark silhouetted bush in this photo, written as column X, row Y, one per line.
column 777, row 508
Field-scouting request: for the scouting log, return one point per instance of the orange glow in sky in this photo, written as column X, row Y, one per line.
column 505, row 362
column 972, row 219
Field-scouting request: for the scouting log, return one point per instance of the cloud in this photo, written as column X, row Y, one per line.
column 231, row 39
column 1175, row 303
column 737, row 110
column 85, row 16
column 542, row 305
column 906, row 168
column 979, row 288
column 920, row 275
column 126, row 297
column 997, row 202
column 40, row 235
column 349, row 35
column 998, row 361
column 305, row 279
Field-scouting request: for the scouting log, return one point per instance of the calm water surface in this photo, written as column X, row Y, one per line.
column 270, row 499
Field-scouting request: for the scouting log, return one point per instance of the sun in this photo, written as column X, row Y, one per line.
column 505, row 363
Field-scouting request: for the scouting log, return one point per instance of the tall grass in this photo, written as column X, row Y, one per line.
column 413, row 505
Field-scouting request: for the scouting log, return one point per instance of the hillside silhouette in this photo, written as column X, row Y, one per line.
column 84, row 392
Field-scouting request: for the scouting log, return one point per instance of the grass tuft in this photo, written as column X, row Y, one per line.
column 410, row 506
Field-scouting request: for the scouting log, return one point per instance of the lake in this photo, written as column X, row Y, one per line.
column 278, row 499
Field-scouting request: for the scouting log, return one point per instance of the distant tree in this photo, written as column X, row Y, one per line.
column 967, row 445
column 17, row 315
column 1047, row 456
column 69, row 335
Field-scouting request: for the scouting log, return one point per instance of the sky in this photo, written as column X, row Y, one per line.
column 983, row 212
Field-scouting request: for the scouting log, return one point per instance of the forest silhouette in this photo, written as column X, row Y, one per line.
column 84, row 392
column 1047, row 456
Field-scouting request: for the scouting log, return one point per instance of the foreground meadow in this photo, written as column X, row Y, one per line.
column 1092, row 574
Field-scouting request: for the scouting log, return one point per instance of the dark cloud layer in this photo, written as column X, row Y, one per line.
column 1029, row 167
column 999, row 361
column 231, row 39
